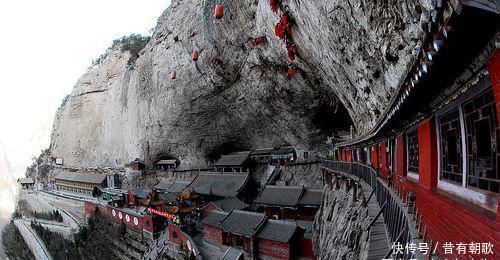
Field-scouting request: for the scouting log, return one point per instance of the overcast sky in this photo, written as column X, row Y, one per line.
column 47, row 45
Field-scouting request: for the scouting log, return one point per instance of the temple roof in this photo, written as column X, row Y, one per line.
column 229, row 204
column 25, row 181
column 219, row 184
column 311, row 197
column 81, row 177
column 233, row 159
column 275, row 230
column 243, row 223
column 280, row 196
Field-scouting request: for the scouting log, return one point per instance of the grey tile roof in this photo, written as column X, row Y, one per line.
column 219, row 184
column 215, row 218
column 278, row 230
column 311, row 197
column 280, row 196
column 178, row 186
column 163, row 185
column 82, row 177
column 233, row 159
column 262, row 151
column 167, row 162
column 283, row 150
column 142, row 193
column 229, row 204
column 25, row 181
column 244, row 223
column 169, row 186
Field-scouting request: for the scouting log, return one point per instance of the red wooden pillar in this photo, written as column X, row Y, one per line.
column 374, row 152
column 427, row 153
column 400, row 169
column 384, row 169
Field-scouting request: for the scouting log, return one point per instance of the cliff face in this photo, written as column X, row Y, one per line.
column 237, row 95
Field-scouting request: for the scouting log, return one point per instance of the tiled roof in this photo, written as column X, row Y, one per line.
column 219, row 184
column 163, row 185
column 244, row 223
column 275, row 230
column 142, row 193
column 215, row 218
column 167, row 162
column 311, row 197
column 81, row 177
column 229, row 204
column 280, row 196
column 175, row 186
column 284, row 149
column 25, row 181
column 262, row 151
column 233, row 159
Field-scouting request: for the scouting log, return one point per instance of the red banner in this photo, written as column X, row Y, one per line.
column 161, row 213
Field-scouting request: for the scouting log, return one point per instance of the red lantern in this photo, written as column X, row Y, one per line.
column 219, row 11
column 195, row 55
column 173, row 74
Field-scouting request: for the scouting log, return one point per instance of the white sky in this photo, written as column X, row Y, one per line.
column 47, row 45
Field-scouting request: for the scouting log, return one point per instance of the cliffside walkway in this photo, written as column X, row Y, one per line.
column 390, row 223
column 35, row 244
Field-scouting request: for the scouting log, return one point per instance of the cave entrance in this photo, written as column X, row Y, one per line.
column 332, row 118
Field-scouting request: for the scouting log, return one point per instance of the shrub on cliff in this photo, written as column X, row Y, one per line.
column 13, row 243
column 133, row 43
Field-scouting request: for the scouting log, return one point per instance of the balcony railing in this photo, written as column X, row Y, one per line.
column 393, row 211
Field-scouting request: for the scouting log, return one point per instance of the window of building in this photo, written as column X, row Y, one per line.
column 482, row 142
column 451, row 146
column 412, row 148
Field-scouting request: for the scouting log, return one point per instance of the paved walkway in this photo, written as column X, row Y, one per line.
column 35, row 244
column 156, row 250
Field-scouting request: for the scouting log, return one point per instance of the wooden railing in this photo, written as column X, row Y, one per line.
column 391, row 207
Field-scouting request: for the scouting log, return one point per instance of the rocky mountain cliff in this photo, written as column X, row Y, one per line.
column 345, row 61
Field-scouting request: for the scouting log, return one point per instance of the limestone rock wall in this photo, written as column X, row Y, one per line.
column 340, row 227
column 308, row 175
column 238, row 94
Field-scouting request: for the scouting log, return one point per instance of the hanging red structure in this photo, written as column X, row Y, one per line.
column 195, row 55
column 219, row 11
column 173, row 74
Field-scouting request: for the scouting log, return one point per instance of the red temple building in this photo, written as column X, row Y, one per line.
column 259, row 237
column 289, row 202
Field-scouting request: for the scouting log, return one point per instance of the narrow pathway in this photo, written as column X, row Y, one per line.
column 157, row 248
column 35, row 244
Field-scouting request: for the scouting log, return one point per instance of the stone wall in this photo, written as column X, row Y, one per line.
column 340, row 227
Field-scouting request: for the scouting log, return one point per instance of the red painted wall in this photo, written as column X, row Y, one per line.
column 212, row 233
column 400, row 169
column 208, row 208
column 145, row 222
column 427, row 154
column 384, row 170
column 176, row 235
column 273, row 249
column 374, row 151
column 451, row 221
column 493, row 66
column 306, row 249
